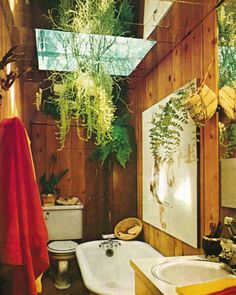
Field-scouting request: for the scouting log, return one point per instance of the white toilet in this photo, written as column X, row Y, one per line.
column 64, row 224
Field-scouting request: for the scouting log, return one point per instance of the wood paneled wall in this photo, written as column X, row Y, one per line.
column 107, row 193
column 15, row 16
column 189, row 59
column 109, row 198
column 84, row 178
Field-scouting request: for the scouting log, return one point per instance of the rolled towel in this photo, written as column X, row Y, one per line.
column 134, row 230
column 124, row 235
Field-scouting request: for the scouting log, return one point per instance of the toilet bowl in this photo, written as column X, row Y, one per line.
column 62, row 252
column 64, row 224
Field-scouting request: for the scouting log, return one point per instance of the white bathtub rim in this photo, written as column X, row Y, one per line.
column 97, row 286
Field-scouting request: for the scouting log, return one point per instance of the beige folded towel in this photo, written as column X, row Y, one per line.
column 133, row 230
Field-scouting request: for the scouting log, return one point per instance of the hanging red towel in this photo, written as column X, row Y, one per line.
column 23, row 233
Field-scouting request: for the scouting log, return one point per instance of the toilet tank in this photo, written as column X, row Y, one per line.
column 64, row 222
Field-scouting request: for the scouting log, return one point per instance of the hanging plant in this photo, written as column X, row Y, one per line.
column 86, row 97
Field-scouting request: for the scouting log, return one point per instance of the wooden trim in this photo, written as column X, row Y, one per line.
column 143, row 286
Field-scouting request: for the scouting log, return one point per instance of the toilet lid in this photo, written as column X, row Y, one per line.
column 62, row 246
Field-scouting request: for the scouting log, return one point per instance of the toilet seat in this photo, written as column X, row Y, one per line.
column 63, row 247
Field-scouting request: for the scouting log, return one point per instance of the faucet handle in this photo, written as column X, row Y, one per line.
column 227, row 249
column 108, row 236
column 228, row 220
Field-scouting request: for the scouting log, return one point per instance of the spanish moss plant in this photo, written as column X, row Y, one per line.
column 87, row 93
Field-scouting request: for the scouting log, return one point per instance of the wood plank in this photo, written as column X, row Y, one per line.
column 167, row 244
column 210, row 131
column 38, row 141
column 51, row 148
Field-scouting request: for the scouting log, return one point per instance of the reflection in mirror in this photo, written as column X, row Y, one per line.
column 227, row 101
column 178, row 19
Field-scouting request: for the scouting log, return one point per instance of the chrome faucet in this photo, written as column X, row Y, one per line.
column 230, row 222
column 228, row 254
column 109, row 244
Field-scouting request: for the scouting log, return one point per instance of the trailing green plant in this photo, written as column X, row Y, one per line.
column 121, row 145
column 227, row 139
column 87, row 94
column 227, row 45
column 49, row 184
column 87, row 99
column 168, row 123
column 227, row 70
column 105, row 17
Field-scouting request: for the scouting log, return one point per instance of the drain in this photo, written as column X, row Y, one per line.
column 109, row 252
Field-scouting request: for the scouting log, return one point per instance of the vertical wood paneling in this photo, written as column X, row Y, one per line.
column 52, row 148
column 210, row 131
column 141, row 90
column 185, row 62
column 38, row 142
column 13, row 103
column 85, row 178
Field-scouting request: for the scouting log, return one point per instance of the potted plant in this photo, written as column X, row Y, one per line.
column 49, row 189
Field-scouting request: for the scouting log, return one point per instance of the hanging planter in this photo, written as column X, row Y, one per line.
column 88, row 54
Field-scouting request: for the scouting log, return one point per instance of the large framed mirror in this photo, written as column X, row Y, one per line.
column 227, row 101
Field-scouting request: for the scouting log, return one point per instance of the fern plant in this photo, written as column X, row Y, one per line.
column 121, row 145
column 168, row 125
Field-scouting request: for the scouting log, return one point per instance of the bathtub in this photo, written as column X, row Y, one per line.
column 111, row 275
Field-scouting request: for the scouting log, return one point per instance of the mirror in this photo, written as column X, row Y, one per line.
column 227, row 101
column 178, row 19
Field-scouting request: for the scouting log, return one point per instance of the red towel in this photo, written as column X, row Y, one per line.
column 23, row 233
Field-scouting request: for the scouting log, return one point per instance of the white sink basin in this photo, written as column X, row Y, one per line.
column 180, row 272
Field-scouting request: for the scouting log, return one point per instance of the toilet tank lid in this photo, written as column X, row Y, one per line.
column 62, row 246
column 79, row 206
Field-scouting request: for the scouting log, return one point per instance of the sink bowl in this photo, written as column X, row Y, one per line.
column 180, row 272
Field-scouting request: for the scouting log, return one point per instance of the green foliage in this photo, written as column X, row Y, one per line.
column 168, row 125
column 49, row 185
column 109, row 17
column 121, row 145
column 125, row 17
column 227, row 139
column 87, row 95
column 227, row 45
column 48, row 103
